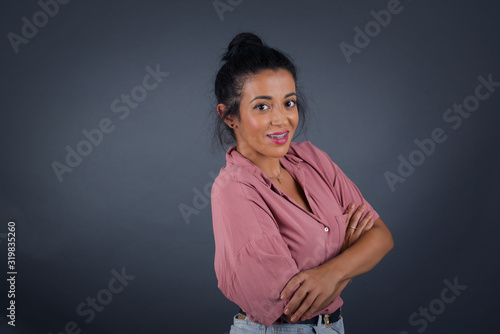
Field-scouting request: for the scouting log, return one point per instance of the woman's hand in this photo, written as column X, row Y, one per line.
column 318, row 288
column 356, row 227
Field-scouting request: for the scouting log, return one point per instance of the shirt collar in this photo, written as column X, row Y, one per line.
column 235, row 158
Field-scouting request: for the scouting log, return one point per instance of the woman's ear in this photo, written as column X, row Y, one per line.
column 221, row 110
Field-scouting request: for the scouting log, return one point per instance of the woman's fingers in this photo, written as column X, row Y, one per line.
column 355, row 226
column 370, row 224
column 306, row 303
column 352, row 222
column 296, row 300
column 363, row 225
column 350, row 212
column 319, row 303
column 292, row 285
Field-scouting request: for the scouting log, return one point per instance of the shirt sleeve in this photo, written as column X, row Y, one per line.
column 344, row 189
column 252, row 262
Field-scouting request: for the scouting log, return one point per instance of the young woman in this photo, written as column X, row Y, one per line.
column 291, row 229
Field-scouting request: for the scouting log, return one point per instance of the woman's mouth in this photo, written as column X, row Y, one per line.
column 279, row 139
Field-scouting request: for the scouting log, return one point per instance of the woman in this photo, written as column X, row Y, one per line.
column 291, row 230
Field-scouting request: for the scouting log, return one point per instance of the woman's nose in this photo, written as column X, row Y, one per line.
column 279, row 115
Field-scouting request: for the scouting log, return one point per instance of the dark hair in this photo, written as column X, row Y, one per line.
column 246, row 55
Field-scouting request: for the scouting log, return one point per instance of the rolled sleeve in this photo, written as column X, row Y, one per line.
column 262, row 269
column 252, row 261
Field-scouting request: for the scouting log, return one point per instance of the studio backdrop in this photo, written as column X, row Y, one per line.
column 106, row 167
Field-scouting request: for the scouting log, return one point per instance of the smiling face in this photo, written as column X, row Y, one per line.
column 267, row 106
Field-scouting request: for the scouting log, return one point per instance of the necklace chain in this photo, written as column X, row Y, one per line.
column 277, row 177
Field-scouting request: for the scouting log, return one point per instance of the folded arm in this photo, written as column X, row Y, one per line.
column 320, row 285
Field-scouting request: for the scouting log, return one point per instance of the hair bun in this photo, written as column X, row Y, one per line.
column 240, row 41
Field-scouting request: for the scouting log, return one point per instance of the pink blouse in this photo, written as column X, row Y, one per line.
column 263, row 237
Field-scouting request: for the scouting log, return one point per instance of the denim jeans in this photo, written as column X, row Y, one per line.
column 246, row 326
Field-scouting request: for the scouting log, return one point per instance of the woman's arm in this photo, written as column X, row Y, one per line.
column 365, row 253
column 252, row 261
column 320, row 285
column 340, row 287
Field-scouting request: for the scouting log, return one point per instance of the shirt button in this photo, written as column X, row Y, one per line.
column 327, row 229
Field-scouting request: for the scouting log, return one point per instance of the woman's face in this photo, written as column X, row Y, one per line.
column 268, row 105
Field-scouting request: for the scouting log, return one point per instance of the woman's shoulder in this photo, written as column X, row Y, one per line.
column 308, row 152
column 316, row 158
column 234, row 173
column 234, row 182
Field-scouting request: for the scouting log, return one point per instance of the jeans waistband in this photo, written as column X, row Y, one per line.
column 327, row 318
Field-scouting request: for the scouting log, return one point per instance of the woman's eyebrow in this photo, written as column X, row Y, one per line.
column 262, row 97
column 270, row 98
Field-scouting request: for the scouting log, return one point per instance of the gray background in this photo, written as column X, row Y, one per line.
column 121, row 206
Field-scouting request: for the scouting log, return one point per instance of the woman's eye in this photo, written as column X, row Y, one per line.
column 261, row 107
column 290, row 104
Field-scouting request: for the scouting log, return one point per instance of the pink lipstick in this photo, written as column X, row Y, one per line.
column 279, row 138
